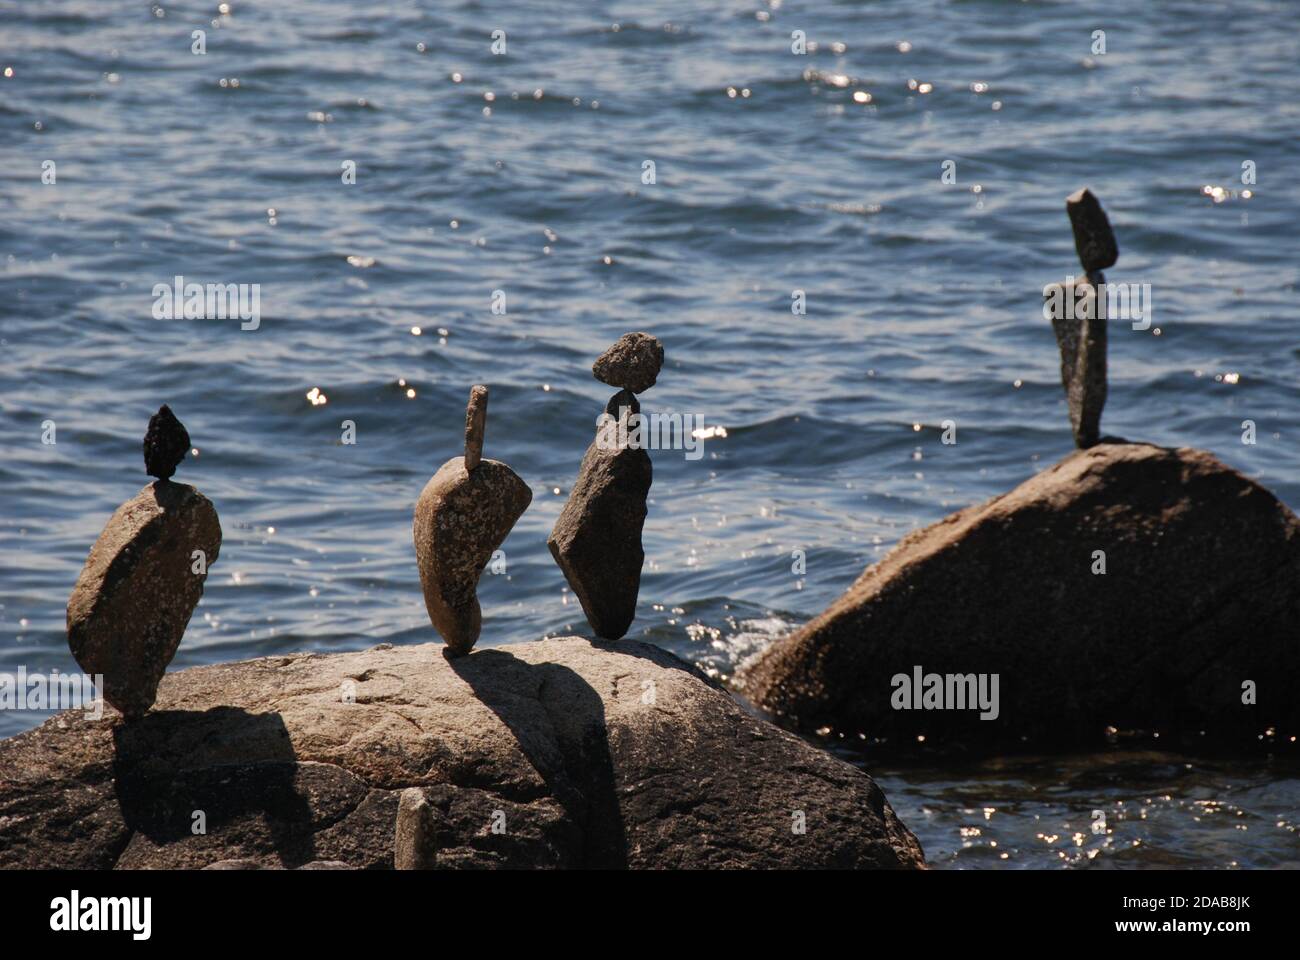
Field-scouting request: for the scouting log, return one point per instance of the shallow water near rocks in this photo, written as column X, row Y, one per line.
column 522, row 173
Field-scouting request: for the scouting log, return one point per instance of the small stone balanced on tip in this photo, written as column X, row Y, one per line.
column 144, row 577
column 597, row 539
column 1080, row 323
column 463, row 515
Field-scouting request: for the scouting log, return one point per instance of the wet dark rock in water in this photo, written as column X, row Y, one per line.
column 1126, row 588
column 633, row 362
column 597, row 538
column 609, row 756
column 165, row 444
column 463, row 514
column 139, row 586
column 1093, row 238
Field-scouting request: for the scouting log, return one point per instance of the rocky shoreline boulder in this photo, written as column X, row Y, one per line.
column 559, row 753
column 1127, row 591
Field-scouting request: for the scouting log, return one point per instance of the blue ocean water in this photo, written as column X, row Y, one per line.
column 523, row 172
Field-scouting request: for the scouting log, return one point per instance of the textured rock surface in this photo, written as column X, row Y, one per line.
column 587, row 756
column 596, row 539
column 1081, row 337
column 166, row 442
column 258, row 865
column 633, row 362
column 460, row 518
column 475, row 426
column 1201, row 594
column 137, row 590
column 415, row 843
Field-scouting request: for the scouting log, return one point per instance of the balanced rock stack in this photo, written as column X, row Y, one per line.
column 597, row 539
column 464, row 513
column 1080, row 324
column 144, row 577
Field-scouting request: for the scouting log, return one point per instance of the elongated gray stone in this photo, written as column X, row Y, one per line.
column 475, row 425
column 461, row 517
column 1077, row 309
column 1079, row 321
column 415, row 845
column 596, row 540
column 139, row 586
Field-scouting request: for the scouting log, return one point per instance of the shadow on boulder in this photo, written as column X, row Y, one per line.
column 581, row 776
column 170, row 785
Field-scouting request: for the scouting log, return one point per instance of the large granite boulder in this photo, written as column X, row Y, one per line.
column 551, row 754
column 1128, row 590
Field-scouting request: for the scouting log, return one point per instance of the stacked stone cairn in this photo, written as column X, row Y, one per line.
column 597, row 539
column 1077, row 309
column 144, row 577
column 463, row 515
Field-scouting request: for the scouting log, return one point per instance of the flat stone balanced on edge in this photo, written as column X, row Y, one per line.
column 144, row 577
column 464, row 513
column 1077, row 309
column 596, row 540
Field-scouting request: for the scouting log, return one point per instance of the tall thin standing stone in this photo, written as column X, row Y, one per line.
column 415, row 841
column 144, row 577
column 1078, row 313
column 596, row 540
column 475, row 426
column 464, row 513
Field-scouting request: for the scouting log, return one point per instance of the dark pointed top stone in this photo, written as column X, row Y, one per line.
column 1093, row 238
column 165, row 444
column 632, row 363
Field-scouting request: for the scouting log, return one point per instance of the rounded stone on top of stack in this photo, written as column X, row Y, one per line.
column 1128, row 588
column 596, row 541
column 464, row 513
column 632, row 362
column 144, row 577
